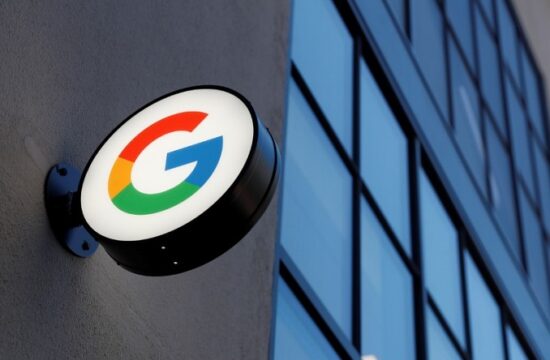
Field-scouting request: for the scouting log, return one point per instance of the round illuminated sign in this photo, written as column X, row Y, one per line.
column 180, row 181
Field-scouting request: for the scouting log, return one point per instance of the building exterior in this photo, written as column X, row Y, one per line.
column 413, row 216
column 415, row 206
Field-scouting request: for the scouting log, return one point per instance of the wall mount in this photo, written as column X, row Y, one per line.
column 63, row 209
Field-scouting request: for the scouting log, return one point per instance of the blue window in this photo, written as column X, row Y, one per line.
column 387, row 295
column 439, row 345
column 543, row 176
column 440, row 252
column 322, row 49
column 384, row 163
column 485, row 322
column 548, row 256
column 428, row 44
column 533, row 94
column 296, row 335
column 500, row 179
column 458, row 12
column 508, row 38
column 535, row 250
column 466, row 117
column 520, row 137
column 316, row 216
column 515, row 350
column 398, row 9
column 487, row 7
column 489, row 71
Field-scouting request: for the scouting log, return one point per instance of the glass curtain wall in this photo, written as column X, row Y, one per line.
column 373, row 260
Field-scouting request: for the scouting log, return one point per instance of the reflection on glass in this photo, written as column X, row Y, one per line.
column 398, row 9
column 485, row 325
column 515, row 350
column 466, row 117
column 316, row 214
column 534, row 248
column 487, row 6
column 458, row 12
column 322, row 49
column 520, row 136
column 440, row 253
column 384, row 163
column 489, row 71
column 500, row 177
column 428, row 44
column 548, row 255
column 387, row 297
column 439, row 345
column 508, row 39
column 532, row 93
column 543, row 175
column 296, row 335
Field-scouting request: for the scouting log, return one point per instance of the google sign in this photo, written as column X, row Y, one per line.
column 180, row 181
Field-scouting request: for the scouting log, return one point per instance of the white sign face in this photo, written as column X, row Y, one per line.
column 167, row 164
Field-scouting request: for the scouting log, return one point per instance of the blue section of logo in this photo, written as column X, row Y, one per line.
column 206, row 154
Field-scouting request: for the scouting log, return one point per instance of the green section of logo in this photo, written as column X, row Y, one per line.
column 135, row 202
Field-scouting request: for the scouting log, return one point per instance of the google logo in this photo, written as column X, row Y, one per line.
column 167, row 164
column 180, row 181
column 124, row 194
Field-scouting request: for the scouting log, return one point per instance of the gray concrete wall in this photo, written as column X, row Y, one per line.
column 71, row 71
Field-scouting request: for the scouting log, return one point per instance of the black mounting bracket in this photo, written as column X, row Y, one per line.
column 63, row 208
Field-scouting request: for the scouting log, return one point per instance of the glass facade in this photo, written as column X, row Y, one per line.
column 384, row 162
column 315, row 238
column 441, row 255
column 439, row 345
column 488, row 67
column 388, row 236
column 485, row 322
column 467, row 116
column 297, row 335
column 458, row 13
column 328, row 73
column 387, row 320
column 501, row 185
column 427, row 38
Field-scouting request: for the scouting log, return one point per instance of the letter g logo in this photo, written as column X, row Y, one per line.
column 207, row 153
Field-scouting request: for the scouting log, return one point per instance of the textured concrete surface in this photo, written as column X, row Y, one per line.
column 69, row 72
